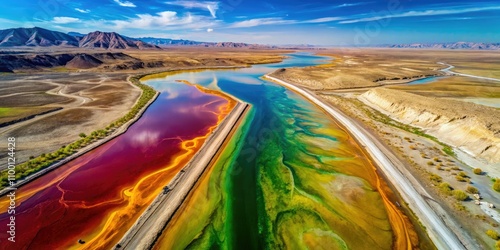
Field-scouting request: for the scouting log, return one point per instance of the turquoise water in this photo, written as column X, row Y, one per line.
column 425, row 80
column 270, row 102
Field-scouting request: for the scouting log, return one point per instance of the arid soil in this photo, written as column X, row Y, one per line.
column 472, row 127
column 86, row 102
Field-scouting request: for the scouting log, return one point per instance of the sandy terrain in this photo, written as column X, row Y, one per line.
column 88, row 101
column 471, row 127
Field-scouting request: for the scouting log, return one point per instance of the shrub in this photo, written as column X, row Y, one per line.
column 497, row 245
column 492, row 234
column 435, row 178
column 445, row 188
column 478, row 171
column 471, row 190
column 460, row 178
column 460, row 195
column 496, row 185
column 463, row 174
column 82, row 135
column 430, row 163
column 459, row 206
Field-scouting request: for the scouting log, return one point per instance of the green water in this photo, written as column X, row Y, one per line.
column 294, row 179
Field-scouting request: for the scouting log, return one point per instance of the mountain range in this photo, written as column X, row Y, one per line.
column 37, row 36
column 42, row 37
column 457, row 45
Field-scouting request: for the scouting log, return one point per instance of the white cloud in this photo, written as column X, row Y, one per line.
column 422, row 13
column 164, row 19
column 65, row 19
column 279, row 21
column 323, row 20
column 261, row 21
column 125, row 3
column 210, row 30
column 82, row 10
column 212, row 7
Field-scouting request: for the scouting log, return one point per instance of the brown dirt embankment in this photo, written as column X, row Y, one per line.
column 473, row 128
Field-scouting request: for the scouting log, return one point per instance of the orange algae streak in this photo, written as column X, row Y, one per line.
column 124, row 218
column 404, row 233
column 98, row 196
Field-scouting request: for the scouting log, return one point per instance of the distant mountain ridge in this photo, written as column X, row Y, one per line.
column 106, row 40
column 170, row 42
column 457, row 45
column 39, row 37
column 112, row 40
column 35, row 37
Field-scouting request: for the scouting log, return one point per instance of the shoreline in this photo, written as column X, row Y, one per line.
column 405, row 184
column 150, row 225
column 122, row 129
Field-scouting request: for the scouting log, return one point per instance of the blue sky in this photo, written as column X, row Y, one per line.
column 326, row 22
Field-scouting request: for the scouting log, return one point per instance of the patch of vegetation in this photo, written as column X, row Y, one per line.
column 445, row 188
column 492, row 234
column 496, row 185
column 435, row 178
column 478, row 171
column 471, row 189
column 45, row 160
column 460, row 195
column 459, row 206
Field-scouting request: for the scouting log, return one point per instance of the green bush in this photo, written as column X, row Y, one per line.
column 460, row 195
column 435, row 178
column 471, row 190
column 496, row 185
column 445, row 188
column 492, row 234
column 478, row 171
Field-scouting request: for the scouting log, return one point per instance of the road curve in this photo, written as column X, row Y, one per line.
column 450, row 67
column 440, row 234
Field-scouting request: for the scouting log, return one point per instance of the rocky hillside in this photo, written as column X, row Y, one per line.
column 35, row 37
column 15, row 62
column 83, row 61
column 112, row 40
column 473, row 128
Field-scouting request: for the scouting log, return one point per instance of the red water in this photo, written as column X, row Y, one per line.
column 98, row 196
